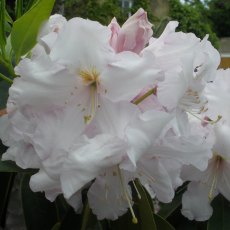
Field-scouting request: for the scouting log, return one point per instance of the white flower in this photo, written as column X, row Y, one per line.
column 80, row 68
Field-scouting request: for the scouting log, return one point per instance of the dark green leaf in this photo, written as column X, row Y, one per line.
column 56, row 226
column 2, row 27
column 147, row 221
column 39, row 213
column 4, row 87
column 10, row 166
column 124, row 222
column 19, row 8
column 221, row 214
column 89, row 220
column 71, row 221
column 25, row 29
column 162, row 223
column 6, row 180
column 8, row 18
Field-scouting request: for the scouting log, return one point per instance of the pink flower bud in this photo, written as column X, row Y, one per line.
column 133, row 35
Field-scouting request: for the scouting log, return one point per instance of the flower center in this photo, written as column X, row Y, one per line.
column 89, row 77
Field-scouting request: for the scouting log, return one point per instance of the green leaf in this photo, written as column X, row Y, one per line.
column 71, row 221
column 56, row 226
column 4, row 86
column 221, row 214
column 5, row 188
column 8, row 18
column 30, row 3
column 25, row 29
column 39, row 213
column 19, row 8
column 10, row 166
column 89, row 220
column 2, row 27
column 162, row 223
column 147, row 221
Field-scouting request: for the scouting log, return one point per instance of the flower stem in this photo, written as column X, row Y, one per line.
column 143, row 97
column 3, row 77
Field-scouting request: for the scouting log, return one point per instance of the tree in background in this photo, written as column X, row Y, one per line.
column 102, row 11
column 219, row 15
column 193, row 17
column 145, row 4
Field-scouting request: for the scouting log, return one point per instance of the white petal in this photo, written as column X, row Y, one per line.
column 42, row 182
column 125, row 78
column 113, row 118
column 23, row 154
column 85, row 42
column 106, row 197
column 141, row 133
column 76, row 202
column 57, row 132
column 42, row 82
column 195, row 202
column 85, row 163
column 153, row 173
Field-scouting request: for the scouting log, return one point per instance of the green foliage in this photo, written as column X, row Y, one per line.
column 192, row 18
column 147, row 6
column 219, row 15
column 94, row 10
column 221, row 213
column 25, row 29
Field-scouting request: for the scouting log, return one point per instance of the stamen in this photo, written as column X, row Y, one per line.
column 134, row 219
column 93, row 105
column 144, row 96
column 89, row 76
column 138, row 194
column 209, row 121
column 217, row 160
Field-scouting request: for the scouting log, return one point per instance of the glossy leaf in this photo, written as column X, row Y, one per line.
column 147, row 221
column 221, row 214
column 162, row 223
column 25, row 29
column 39, row 213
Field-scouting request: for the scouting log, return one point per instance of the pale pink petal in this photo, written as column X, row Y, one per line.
column 42, row 182
column 195, row 202
column 153, row 173
column 106, row 198
column 86, row 162
column 125, row 78
column 86, row 45
column 57, row 132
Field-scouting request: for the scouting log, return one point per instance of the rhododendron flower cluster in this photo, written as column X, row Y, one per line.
column 97, row 107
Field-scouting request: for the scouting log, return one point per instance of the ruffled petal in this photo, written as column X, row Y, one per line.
column 195, row 202
column 106, row 197
column 86, row 162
